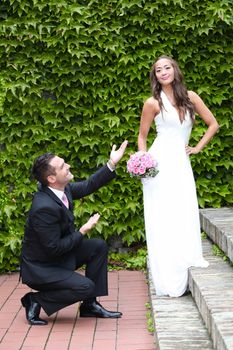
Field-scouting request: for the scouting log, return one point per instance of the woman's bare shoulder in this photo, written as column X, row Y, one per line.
column 192, row 95
column 152, row 103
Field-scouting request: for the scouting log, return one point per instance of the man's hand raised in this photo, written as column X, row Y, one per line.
column 117, row 154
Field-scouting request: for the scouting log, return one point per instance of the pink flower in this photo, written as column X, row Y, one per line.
column 141, row 170
column 141, row 164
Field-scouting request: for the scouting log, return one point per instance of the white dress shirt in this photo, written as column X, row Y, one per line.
column 58, row 193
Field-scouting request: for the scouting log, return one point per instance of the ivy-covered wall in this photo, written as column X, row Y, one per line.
column 73, row 79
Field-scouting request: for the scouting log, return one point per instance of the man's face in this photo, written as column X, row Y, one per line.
column 63, row 175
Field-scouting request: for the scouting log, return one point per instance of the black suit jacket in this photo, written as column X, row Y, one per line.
column 50, row 236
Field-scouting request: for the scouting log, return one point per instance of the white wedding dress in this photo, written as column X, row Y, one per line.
column 170, row 206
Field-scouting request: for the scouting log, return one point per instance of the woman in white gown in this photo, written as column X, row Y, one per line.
column 170, row 202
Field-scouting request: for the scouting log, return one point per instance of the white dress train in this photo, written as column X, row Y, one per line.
column 170, row 206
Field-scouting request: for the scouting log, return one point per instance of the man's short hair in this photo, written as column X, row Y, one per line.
column 41, row 168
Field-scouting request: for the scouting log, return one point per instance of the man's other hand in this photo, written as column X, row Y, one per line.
column 90, row 223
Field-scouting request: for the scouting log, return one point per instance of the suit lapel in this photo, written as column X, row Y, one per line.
column 52, row 195
column 69, row 196
column 57, row 200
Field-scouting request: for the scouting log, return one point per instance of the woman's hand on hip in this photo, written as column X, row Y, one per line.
column 191, row 150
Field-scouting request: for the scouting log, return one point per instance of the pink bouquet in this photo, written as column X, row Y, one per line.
column 141, row 164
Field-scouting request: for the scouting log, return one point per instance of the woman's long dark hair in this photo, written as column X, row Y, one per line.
column 180, row 92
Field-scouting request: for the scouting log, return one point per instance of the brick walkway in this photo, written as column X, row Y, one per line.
column 128, row 292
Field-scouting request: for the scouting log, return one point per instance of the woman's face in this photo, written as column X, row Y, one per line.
column 164, row 71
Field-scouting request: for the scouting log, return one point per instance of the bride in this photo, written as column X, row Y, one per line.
column 170, row 202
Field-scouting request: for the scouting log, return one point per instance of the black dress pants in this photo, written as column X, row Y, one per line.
column 57, row 295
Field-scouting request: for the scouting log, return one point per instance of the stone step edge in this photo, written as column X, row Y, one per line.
column 168, row 334
column 212, row 290
column 217, row 223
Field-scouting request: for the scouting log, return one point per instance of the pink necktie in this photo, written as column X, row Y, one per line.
column 65, row 200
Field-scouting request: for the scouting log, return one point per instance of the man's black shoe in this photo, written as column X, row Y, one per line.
column 95, row 309
column 32, row 309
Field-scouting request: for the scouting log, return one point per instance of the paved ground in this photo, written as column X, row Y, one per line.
column 128, row 292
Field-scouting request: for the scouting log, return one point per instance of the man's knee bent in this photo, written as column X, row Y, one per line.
column 85, row 290
column 101, row 245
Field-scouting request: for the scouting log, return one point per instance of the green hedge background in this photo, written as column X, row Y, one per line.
column 73, row 79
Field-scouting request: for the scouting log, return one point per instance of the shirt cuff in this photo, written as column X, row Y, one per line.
column 110, row 165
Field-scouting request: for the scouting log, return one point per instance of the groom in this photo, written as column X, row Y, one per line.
column 53, row 249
